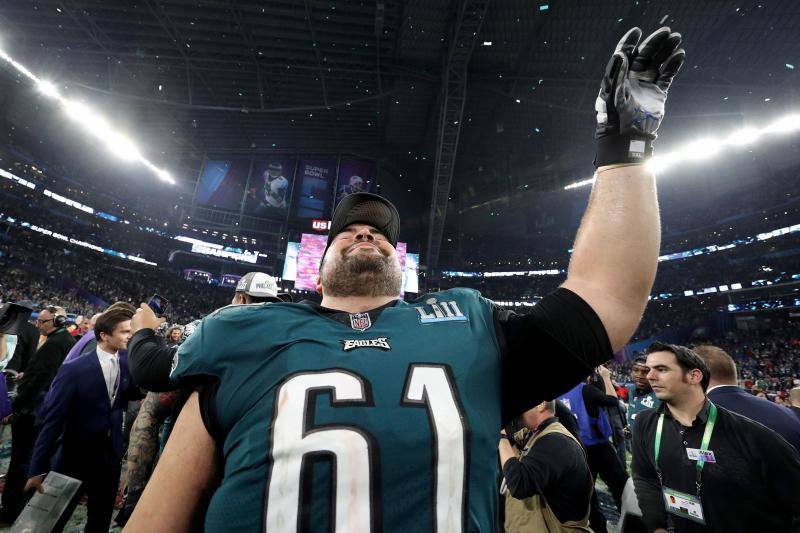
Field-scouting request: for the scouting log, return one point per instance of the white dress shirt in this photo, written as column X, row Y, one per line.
column 109, row 363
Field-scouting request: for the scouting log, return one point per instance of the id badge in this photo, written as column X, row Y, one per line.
column 683, row 505
column 695, row 454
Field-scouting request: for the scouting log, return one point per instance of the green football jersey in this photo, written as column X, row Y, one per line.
column 386, row 424
column 639, row 402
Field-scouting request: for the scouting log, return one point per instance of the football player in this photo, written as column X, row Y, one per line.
column 369, row 413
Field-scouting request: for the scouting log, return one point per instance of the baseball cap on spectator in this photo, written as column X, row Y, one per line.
column 366, row 208
column 260, row 285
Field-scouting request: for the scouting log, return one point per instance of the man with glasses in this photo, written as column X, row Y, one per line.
column 32, row 388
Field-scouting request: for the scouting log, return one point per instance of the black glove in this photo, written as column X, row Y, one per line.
column 630, row 105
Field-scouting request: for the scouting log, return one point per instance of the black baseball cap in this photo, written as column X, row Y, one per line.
column 366, row 208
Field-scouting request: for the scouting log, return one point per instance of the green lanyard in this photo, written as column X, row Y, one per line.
column 712, row 418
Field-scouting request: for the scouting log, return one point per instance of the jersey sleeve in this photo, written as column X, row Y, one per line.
column 210, row 350
column 548, row 351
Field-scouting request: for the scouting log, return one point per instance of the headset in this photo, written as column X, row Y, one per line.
column 59, row 321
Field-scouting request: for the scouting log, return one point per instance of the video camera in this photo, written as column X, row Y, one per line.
column 12, row 317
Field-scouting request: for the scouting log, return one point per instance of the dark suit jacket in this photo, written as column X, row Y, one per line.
column 777, row 418
column 41, row 370
column 80, row 414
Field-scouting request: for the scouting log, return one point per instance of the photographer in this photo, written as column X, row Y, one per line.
column 548, row 485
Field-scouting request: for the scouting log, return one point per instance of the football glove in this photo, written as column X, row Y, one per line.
column 630, row 104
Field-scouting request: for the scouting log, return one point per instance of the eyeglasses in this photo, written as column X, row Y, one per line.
column 40, row 321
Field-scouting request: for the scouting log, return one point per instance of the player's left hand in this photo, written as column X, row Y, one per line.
column 630, row 104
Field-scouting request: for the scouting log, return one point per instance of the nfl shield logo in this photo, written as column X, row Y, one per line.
column 360, row 321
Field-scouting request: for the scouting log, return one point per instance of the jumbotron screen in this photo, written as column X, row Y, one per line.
column 303, row 258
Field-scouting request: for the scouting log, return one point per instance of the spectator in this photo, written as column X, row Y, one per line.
column 724, row 392
column 548, row 484
column 586, row 403
column 84, row 341
column 173, row 336
column 699, row 467
column 84, row 417
column 640, row 394
column 32, row 387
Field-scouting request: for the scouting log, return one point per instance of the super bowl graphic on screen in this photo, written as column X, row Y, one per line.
column 354, row 176
column 269, row 186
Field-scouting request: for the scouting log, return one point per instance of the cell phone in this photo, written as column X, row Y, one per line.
column 158, row 304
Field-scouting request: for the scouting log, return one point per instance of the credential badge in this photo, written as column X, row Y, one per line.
column 360, row 321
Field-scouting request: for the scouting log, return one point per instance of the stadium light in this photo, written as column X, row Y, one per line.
column 90, row 120
column 48, row 89
column 706, row 148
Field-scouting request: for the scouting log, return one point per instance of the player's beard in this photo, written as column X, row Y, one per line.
column 362, row 275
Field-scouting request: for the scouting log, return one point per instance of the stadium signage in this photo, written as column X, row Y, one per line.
column 320, row 225
column 246, row 256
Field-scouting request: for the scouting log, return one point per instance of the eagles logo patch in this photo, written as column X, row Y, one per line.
column 382, row 343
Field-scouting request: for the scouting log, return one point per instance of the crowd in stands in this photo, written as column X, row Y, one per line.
column 48, row 274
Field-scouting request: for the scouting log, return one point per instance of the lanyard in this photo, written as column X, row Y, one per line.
column 701, row 461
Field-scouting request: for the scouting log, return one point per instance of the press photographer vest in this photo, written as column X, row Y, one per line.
column 534, row 513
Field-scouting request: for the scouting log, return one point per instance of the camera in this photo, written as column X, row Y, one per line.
column 12, row 317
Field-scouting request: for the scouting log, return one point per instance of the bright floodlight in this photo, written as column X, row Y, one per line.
column 707, row 148
column 123, row 147
column 90, row 120
column 743, row 137
column 787, row 124
column 48, row 89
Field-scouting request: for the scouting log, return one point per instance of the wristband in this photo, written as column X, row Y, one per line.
column 622, row 149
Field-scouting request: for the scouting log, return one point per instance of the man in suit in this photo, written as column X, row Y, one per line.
column 84, row 414
column 724, row 391
column 31, row 389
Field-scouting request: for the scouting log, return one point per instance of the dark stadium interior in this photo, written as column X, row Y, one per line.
column 471, row 116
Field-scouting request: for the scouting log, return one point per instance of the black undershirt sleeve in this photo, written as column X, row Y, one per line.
column 150, row 361
column 550, row 350
column 594, row 399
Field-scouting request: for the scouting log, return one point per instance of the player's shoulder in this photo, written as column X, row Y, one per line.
column 460, row 293
column 241, row 316
column 244, row 311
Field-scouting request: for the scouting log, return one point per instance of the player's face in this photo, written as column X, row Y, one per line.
column 639, row 374
column 361, row 262
column 667, row 378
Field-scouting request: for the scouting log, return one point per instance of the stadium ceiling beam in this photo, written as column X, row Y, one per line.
column 315, row 45
column 248, row 38
column 100, row 38
column 464, row 34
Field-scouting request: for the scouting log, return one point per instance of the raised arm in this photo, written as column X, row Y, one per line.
column 183, row 481
column 615, row 254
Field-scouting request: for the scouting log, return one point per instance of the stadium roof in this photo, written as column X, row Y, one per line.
column 190, row 78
